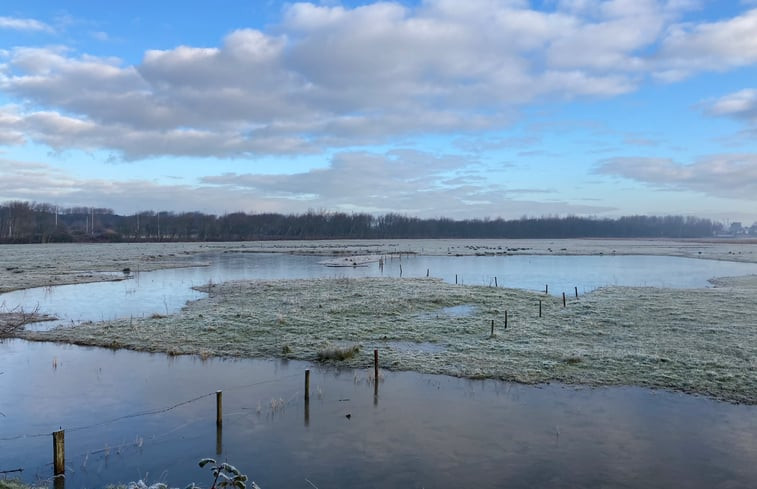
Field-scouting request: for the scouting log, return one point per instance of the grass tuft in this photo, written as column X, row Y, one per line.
column 338, row 354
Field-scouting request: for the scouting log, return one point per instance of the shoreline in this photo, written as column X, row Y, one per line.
column 30, row 266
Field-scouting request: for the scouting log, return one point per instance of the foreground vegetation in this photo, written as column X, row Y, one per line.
column 223, row 475
column 699, row 341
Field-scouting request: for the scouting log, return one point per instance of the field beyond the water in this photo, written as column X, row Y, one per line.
column 701, row 341
column 45, row 265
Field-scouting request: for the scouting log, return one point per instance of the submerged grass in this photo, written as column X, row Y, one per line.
column 699, row 341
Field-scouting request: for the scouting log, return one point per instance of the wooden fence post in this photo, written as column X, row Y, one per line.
column 307, row 385
column 59, row 453
column 219, row 408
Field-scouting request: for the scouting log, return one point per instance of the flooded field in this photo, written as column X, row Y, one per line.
column 685, row 339
column 165, row 291
column 421, row 430
column 639, row 320
column 43, row 265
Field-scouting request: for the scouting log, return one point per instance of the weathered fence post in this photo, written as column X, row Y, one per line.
column 59, row 453
column 505, row 318
column 219, row 408
column 495, row 281
column 576, row 292
column 492, row 334
column 455, row 279
column 375, row 376
column 546, row 289
column 563, row 299
column 539, row 307
column 307, row 397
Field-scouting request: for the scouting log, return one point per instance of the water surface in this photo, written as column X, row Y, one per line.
column 166, row 291
column 421, row 430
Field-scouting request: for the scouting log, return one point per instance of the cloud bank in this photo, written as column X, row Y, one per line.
column 405, row 181
column 333, row 77
column 732, row 176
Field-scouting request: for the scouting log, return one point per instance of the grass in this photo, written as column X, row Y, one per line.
column 338, row 354
column 13, row 321
column 699, row 341
column 15, row 484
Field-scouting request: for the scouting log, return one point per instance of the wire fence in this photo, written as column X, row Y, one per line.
column 149, row 412
column 41, row 472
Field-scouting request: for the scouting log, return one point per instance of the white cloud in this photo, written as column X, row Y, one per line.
column 729, row 175
column 406, row 181
column 18, row 24
column 740, row 105
column 332, row 76
column 688, row 48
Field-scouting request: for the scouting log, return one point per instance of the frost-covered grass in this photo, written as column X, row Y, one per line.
column 334, row 354
column 26, row 266
column 17, row 484
column 700, row 341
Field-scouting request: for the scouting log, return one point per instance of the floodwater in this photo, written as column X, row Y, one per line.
column 420, row 431
column 166, row 291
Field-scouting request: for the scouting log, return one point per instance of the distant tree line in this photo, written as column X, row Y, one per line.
column 29, row 222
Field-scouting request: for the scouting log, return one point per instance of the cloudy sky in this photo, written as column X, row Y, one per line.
column 458, row 108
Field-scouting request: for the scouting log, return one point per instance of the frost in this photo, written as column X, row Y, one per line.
column 699, row 340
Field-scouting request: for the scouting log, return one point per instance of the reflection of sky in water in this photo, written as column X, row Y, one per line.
column 423, row 431
column 165, row 291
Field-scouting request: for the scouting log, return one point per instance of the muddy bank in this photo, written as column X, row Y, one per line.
column 700, row 341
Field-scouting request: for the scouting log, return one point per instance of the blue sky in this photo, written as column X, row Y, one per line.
column 482, row 108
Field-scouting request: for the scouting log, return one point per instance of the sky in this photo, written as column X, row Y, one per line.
column 428, row 108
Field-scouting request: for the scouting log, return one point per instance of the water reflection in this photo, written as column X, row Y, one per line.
column 166, row 291
column 422, row 431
